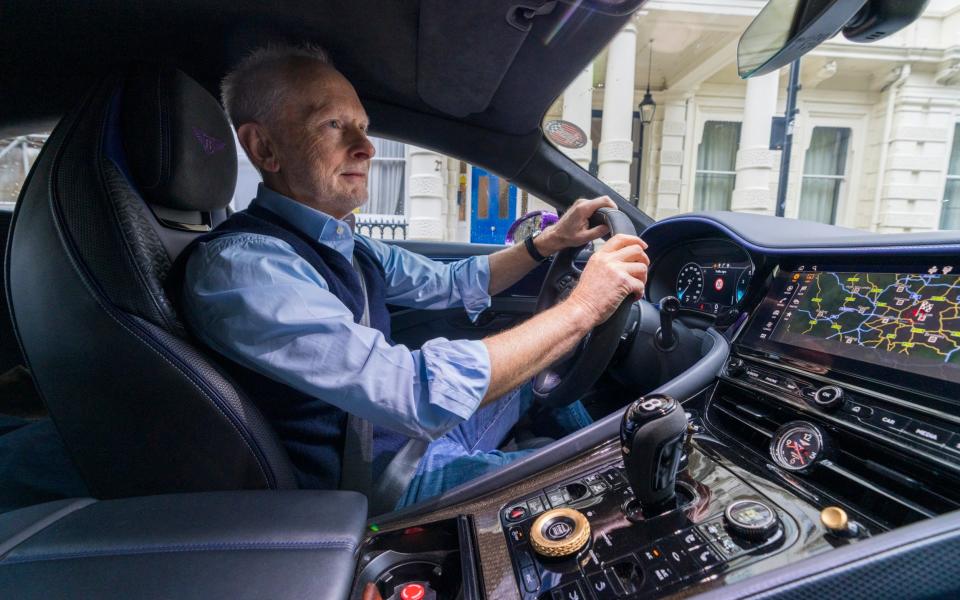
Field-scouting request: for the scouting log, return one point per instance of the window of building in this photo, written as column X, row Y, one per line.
column 716, row 165
column 950, row 213
column 386, row 180
column 824, row 170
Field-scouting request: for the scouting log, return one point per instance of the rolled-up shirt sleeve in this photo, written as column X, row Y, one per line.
column 257, row 302
column 416, row 281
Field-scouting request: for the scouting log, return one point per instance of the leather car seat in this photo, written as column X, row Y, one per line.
column 126, row 180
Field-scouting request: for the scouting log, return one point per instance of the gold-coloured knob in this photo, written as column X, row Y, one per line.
column 559, row 532
column 834, row 518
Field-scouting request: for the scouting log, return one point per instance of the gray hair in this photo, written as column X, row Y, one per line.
column 257, row 85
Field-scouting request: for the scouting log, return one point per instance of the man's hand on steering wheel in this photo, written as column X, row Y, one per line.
column 573, row 228
column 617, row 270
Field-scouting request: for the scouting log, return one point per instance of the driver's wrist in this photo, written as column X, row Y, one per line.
column 546, row 242
column 582, row 317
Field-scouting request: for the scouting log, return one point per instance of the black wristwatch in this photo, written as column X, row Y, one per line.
column 532, row 249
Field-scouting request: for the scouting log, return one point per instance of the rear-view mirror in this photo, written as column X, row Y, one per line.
column 785, row 30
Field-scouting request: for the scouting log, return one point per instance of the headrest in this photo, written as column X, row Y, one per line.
column 177, row 140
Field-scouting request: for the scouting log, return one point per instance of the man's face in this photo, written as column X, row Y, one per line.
column 321, row 141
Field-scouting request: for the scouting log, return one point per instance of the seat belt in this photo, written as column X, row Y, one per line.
column 357, row 469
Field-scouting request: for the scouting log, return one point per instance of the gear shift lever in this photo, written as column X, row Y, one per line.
column 651, row 439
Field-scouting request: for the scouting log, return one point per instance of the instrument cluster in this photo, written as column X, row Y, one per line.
column 707, row 276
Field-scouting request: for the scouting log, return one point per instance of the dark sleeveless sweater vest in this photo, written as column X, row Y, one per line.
column 311, row 430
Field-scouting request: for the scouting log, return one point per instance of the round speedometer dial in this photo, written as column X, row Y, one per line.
column 689, row 283
column 797, row 445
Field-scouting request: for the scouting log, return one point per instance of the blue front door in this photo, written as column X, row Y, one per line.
column 493, row 207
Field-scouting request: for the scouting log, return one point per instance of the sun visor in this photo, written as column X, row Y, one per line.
column 487, row 36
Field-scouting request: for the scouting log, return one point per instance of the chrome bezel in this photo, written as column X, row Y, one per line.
column 788, row 428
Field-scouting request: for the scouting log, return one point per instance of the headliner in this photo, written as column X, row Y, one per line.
column 456, row 59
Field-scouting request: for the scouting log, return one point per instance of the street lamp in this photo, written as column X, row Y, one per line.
column 648, row 108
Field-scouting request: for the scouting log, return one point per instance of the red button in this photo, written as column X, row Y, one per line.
column 412, row 591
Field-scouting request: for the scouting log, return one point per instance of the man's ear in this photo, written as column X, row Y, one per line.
column 258, row 146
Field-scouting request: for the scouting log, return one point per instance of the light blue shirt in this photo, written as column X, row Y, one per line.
column 256, row 301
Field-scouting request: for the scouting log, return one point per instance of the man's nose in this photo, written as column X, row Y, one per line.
column 361, row 147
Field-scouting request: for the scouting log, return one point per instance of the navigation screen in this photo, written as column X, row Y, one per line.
column 905, row 321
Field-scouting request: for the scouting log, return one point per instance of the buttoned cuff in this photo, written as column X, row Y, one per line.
column 473, row 282
column 457, row 375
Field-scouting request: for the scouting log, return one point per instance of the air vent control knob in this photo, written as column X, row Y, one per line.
column 736, row 367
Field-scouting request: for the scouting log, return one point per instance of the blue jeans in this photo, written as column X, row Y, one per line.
column 470, row 449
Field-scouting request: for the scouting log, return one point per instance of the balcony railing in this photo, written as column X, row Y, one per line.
column 383, row 227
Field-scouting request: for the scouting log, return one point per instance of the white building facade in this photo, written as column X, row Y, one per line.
column 875, row 142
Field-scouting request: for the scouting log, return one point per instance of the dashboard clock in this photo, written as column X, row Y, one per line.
column 798, row 445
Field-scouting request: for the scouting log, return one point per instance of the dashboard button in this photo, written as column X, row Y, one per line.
column 600, row 586
column 536, row 506
column 558, row 497
column 954, row 443
column 712, row 530
column 706, row 556
column 928, row 433
column 517, row 513
column 771, row 380
column 571, row 591
column 887, row 420
column 531, row 581
column 683, row 564
column 613, row 477
column 857, row 410
column 663, row 575
column 517, row 535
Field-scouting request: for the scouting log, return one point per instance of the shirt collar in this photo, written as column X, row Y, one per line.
column 318, row 225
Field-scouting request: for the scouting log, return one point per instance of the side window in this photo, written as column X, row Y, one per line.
column 16, row 156
column 950, row 212
column 416, row 193
column 824, row 170
column 716, row 165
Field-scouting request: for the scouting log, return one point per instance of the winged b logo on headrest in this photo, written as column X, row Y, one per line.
column 210, row 144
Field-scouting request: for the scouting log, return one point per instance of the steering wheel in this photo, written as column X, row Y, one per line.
column 566, row 380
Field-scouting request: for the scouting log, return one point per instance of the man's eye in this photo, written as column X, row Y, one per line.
column 333, row 124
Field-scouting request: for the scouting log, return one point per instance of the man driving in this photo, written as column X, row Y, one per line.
column 297, row 303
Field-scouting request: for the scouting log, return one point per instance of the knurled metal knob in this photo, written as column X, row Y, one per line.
column 559, row 532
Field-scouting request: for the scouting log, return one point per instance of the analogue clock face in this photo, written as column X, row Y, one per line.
column 797, row 446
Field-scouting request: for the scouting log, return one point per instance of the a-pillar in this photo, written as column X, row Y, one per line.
column 615, row 151
column 428, row 173
column 578, row 109
column 753, row 191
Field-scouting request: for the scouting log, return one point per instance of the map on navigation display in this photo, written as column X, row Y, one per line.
column 890, row 318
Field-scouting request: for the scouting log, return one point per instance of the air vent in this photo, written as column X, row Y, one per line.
column 878, row 480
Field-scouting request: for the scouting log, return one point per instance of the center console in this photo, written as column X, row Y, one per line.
column 848, row 381
column 836, row 418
